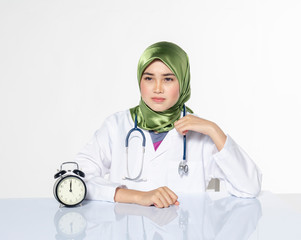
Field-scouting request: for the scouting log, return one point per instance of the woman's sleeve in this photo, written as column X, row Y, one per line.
column 233, row 165
column 95, row 161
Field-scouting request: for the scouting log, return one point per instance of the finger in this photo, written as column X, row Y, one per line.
column 165, row 197
column 182, row 126
column 182, row 130
column 165, row 201
column 179, row 126
column 158, row 203
column 180, row 121
column 187, row 125
column 171, row 194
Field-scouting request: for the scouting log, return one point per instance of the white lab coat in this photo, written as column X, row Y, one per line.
column 103, row 160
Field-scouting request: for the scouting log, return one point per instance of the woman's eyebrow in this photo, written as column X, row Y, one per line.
column 146, row 73
column 165, row 74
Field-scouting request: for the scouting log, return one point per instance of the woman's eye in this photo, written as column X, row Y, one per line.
column 168, row 79
column 148, row 78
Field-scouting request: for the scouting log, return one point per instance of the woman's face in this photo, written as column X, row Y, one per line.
column 159, row 87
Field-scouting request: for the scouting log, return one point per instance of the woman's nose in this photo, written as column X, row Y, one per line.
column 158, row 88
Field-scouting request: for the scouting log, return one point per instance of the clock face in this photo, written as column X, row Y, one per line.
column 71, row 190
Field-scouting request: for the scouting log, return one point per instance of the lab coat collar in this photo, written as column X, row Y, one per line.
column 150, row 153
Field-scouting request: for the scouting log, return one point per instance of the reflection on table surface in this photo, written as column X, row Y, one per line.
column 207, row 216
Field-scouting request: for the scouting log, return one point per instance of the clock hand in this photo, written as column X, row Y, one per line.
column 70, row 186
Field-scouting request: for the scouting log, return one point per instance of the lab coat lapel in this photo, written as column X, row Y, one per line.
column 150, row 153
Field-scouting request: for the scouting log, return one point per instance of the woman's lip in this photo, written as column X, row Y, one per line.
column 156, row 99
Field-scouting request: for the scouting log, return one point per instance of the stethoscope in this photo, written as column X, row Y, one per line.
column 182, row 169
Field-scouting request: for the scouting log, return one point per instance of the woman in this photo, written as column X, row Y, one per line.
column 164, row 81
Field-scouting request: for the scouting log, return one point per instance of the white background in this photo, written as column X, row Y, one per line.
column 65, row 65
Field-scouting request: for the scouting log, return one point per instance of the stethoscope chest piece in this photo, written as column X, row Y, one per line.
column 183, row 168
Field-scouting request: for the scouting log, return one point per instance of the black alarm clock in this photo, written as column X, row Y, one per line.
column 69, row 189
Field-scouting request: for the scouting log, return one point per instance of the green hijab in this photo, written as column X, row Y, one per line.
column 176, row 59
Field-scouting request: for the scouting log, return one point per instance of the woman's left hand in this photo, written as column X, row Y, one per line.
column 193, row 123
column 196, row 124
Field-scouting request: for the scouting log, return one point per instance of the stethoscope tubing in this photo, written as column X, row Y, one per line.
column 183, row 167
column 127, row 155
column 184, row 137
column 132, row 130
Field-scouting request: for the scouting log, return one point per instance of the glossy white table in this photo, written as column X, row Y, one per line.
column 208, row 216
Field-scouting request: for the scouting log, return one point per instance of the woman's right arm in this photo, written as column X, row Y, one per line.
column 95, row 161
column 160, row 197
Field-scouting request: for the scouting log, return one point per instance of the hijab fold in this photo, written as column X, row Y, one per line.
column 177, row 61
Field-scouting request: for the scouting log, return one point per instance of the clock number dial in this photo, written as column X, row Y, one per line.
column 71, row 190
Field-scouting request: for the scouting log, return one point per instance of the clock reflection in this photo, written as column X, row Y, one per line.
column 70, row 223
